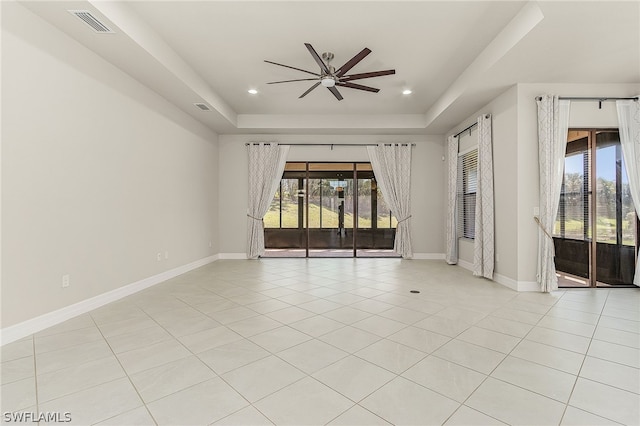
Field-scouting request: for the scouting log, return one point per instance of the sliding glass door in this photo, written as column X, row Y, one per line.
column 329, row 210
column 331, row 207
column 596, row 229
column 376, row 224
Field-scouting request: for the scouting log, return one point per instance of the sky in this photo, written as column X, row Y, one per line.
column 605, row 164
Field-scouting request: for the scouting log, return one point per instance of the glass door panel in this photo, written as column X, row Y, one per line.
column 386, row 219
column 284, row 221
column 572, row 230
column 605, row 192
column 615, row 256
column 331, row 207
column 376, row 228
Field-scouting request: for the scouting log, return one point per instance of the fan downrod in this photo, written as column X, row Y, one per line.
column 327, row 57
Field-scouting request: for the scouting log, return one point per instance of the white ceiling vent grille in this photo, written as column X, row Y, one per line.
column 203, row 107
column 88, row 18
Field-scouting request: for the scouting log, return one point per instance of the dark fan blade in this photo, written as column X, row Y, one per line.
column 317, row 58
column 358, row 86
column 352, row 62
column 367, row 75
column 293, row 68
column 335, row 93
column 310, row 89
column 289, row 81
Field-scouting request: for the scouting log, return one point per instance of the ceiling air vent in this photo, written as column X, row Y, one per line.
column 88, row 18
column 203, row 107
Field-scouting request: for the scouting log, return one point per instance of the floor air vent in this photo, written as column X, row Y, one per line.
column 88, row 18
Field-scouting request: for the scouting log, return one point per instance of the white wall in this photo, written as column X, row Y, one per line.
column 582, row 114
column 99, row 174
column 427, row 179
column 504, row 116
column 516, row 180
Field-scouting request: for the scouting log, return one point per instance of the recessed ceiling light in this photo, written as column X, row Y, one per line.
column 406, row 92
column 252, row 91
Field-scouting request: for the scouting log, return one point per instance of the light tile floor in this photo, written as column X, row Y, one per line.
column 336, row 341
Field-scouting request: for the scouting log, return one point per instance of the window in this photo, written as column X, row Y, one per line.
column 330, row 187
column 575, row 194
column 329, row 208
column 286, row 207
column 467, row 188
column 614, row 213
column 328, row 196
column 615, row 217
column 386, row 219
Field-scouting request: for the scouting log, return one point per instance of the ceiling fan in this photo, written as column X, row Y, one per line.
column 330, row 77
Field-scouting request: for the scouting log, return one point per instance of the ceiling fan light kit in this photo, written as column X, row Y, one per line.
column 328, row 81
column 329, row 77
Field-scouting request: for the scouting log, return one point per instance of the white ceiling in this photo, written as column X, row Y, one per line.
column 454, row 55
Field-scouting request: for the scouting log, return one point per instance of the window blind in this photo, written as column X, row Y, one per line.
column 467, row 187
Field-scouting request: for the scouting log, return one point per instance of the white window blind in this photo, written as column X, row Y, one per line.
column 467, row 188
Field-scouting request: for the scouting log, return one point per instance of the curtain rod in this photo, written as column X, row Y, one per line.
column 470, row 127
column 332, row 144
column 464, row 130
column 602, row 99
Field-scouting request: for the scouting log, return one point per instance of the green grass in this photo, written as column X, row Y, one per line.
column 606, row 230
column 329, row 218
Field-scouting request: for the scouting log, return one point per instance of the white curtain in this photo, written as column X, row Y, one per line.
column 483, row 246
column 392, row 167
column 553, row 124
column 451, row 255
column 629, row 127
column 266, row 165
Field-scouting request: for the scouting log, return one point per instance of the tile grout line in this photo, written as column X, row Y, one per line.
column 197, row 355
column 35, row 375
column 581, row 366
column 495, row 378
column 247, row 287
column 128, row 378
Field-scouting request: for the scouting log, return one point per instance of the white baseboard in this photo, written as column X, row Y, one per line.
column 505, row 281
column 233, row 256
column 528, row 286
column 521, row 286
column 428, row 256
column 28, row 327
column 466, row 265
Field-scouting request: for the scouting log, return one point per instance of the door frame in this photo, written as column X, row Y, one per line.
column 305, row 172
column 592, row 222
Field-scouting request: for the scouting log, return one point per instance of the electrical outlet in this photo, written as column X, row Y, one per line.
column 159, row 257
column 536, row 211
column 66, row 280
column 497, row 257
column 166, row 254
column 210, row 244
